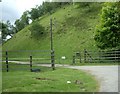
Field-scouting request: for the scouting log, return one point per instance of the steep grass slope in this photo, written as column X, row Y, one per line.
column 73, row 30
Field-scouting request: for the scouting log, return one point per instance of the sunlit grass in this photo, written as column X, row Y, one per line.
column 73, row 30
column 48, row 80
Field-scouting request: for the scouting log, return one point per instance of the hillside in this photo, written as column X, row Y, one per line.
column 73, row 30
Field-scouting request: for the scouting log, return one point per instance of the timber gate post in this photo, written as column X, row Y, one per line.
column 7, row 61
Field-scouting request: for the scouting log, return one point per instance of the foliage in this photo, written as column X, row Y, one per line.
column 4, row 29
column 46, row 7
column 25, row 18
column 84, row 4
column 107, row 34
column 7, row 29
column 22, row 22
column 36, row 29
column 34, row 13
column 18, row 25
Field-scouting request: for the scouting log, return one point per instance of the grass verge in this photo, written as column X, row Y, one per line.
column 48, row 80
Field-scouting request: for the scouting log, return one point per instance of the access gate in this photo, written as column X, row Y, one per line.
column 87, row 56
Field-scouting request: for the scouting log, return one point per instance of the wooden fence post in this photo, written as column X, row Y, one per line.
column 99, row 56
column 7, row 61
column 31, row 63
column 52, row 60
column 73, row 59
column 115, row 55
column 80, row 58
column 84, row 55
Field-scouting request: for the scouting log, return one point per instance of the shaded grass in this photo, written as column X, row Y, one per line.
column 52, row 81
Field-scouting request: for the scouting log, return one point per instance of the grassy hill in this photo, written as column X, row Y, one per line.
column 73, row 30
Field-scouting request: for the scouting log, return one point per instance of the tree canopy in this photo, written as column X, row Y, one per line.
column 22, row 22
column 7, row 29
column 108, row 32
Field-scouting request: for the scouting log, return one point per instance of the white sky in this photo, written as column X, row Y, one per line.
column 13, row 9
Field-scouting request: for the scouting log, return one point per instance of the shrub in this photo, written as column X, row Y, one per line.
column 36, row 29
column 107, row 33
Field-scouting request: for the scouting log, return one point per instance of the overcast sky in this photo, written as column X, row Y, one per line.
column 13, row 9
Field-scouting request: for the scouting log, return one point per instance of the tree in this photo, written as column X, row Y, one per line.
column 108, row 32
column 4, row 29
column 48, row 7
column 34, row 13
column 19, row 25
column 84, row 4
column 25, row 18
column 40, row 10
column 22, row 22
column 7, row 29
column 11, row 28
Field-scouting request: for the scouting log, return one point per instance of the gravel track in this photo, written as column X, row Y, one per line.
column 106, row 75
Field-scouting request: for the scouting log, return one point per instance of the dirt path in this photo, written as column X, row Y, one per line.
column 106, row 75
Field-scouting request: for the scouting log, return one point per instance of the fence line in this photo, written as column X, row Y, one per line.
column 96, row 56
column 49, row 58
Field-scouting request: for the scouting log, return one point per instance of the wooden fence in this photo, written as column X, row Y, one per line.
column 86, row 56
column 26, row 57
column 30, row 58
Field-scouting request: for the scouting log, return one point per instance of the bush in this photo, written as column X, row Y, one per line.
column 107, row 33
column 36, row 29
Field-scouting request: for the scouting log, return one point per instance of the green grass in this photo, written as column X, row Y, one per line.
column 52, row 81
column 73, row 30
